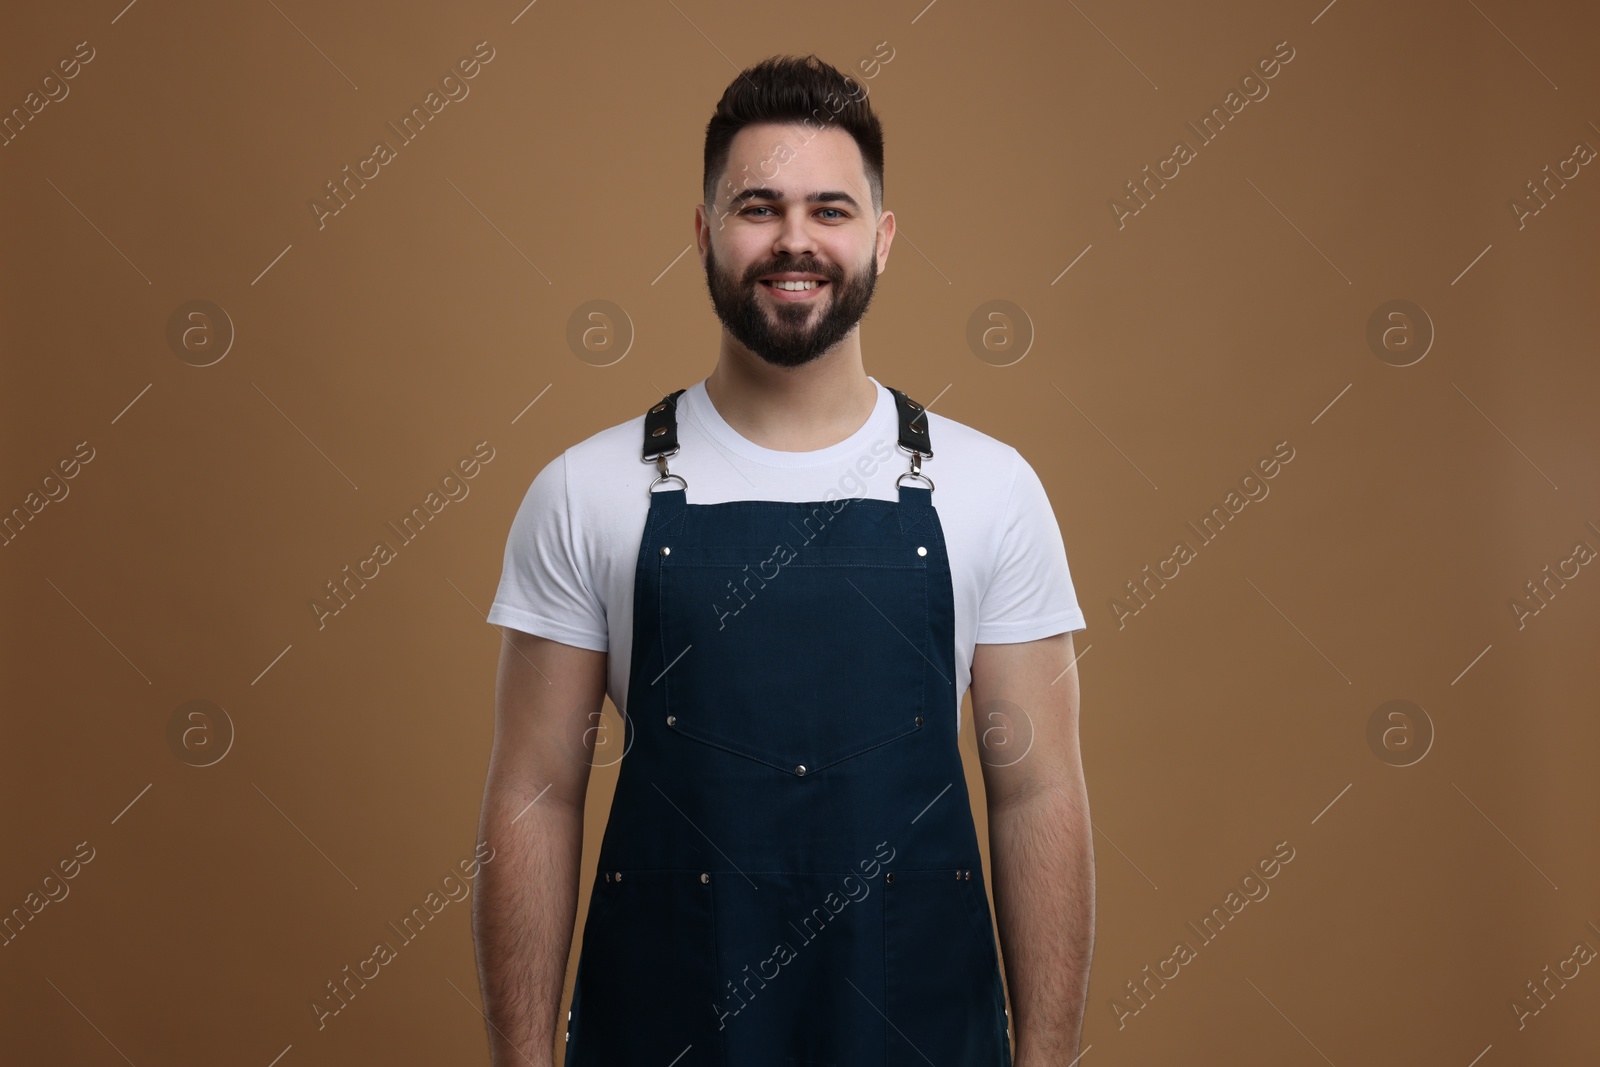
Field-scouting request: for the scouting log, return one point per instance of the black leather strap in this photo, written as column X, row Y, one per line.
column 913, row 423
column 661, row 425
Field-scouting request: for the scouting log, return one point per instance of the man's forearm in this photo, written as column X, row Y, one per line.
column 1042, row 867
column 522, row 920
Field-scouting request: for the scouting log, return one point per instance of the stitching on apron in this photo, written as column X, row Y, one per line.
column 695, row 735
column 809, row 566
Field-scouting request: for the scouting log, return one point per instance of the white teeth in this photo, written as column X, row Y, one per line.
column 794, row 287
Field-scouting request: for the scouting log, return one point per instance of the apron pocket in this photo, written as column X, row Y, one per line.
column 941, row 972
column 799, row 665
column 800, row 969
column 644, row 990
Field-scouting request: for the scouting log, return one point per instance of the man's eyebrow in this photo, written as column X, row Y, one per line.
column 765, row 193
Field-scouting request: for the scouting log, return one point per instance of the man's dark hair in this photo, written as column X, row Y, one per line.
column 791, row 89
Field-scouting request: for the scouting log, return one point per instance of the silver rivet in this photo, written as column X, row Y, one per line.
column 658, row 431
column 889, row 877
column 659, row 407
column 800, row 769
column 619, row 876
column 921, row 551
column 672, row 720
column 968, row 875
column 919, row 720
column 665, row 551
column 704, row 878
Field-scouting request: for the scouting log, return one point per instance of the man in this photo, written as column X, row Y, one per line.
column 790, row 873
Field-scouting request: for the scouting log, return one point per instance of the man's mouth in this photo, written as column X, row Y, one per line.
column 793, row 290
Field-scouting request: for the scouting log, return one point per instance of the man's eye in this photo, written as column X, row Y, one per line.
column 837, row 212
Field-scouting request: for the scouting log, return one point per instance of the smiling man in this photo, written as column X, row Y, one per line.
column 787, row 599
column 794, row 307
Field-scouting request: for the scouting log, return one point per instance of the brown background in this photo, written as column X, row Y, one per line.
column 369, row 355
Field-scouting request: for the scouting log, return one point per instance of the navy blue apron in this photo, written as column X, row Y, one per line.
column 790, row 875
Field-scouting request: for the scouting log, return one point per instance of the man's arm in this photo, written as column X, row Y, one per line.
column 1025, row 699
column 547, row 702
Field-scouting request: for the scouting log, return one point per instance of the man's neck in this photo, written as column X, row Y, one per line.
column 793, row 409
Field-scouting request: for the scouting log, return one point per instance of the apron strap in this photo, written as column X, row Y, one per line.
column 913, row 426
column 913, row 439
column 661, row 441
column 661, row 434
column 661, row 427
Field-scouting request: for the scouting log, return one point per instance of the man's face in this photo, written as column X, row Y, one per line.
column 765, row 229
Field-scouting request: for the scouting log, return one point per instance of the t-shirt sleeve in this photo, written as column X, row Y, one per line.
column 1030, row 594
column 545, row 586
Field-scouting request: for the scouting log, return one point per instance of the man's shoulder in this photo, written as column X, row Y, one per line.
column 623, row 438
column 608, row 460
column 960, row 436
column 975, row 460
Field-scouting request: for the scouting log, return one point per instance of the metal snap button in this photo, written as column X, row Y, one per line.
column 665, row 551
column 704, row 878
column 800, row 770
column 921, row 551
column 671, row 719
column 919, row 720
column 889, row 877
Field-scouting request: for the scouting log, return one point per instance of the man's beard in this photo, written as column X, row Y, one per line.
column 784, row 334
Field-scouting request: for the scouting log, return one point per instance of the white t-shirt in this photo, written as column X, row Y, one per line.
column 572, row 549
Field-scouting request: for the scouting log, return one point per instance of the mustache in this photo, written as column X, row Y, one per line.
column 833, row 273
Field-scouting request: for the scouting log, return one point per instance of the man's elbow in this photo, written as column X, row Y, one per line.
column 1064, row 789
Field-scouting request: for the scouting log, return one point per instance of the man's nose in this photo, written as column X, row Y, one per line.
column 795, row 237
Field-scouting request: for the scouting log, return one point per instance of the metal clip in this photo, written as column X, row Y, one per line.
column 916, row 467
column 665, row 475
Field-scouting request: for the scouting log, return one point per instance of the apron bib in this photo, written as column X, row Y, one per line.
column 790, row 875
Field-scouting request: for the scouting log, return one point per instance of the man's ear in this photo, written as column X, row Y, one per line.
column 701, row 215
column 886, row 238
